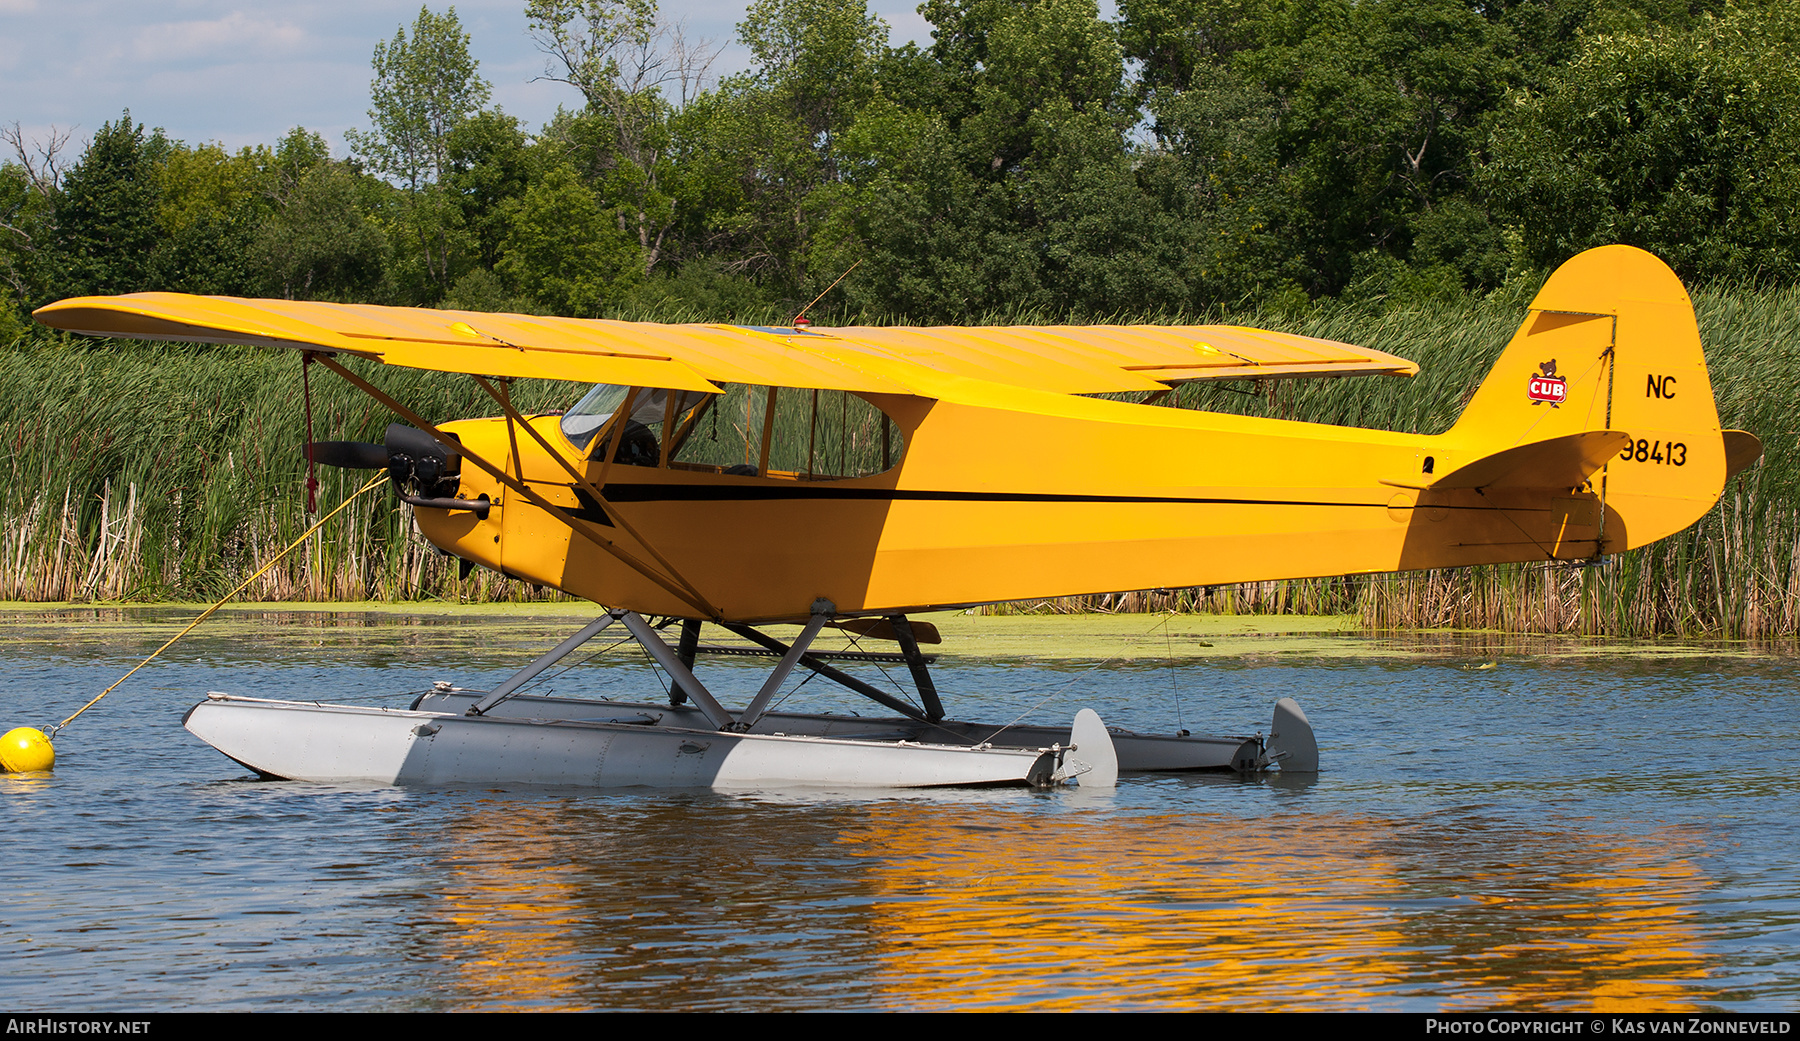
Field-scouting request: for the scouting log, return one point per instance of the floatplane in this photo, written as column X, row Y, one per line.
column 851, row 478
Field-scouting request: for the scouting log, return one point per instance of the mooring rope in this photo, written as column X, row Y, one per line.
column 208, row 613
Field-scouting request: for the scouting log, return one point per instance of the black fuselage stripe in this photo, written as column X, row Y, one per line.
column 695, row 493
column 699, row 493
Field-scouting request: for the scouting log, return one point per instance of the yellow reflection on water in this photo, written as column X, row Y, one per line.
column 998, row 904
column 514, row 910
column 1094, row 911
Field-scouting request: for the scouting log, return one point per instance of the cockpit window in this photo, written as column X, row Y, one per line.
column 585, row 419
column 639, row 445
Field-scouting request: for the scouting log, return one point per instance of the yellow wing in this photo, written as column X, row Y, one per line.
column 930, row 362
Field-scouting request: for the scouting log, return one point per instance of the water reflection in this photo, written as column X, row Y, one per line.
column 1566, row 830
column 970, row 903
column 672, row 903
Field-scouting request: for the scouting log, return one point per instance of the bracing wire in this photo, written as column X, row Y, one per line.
column 208, row 613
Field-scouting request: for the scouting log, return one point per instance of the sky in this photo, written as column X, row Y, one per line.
column 244, row 73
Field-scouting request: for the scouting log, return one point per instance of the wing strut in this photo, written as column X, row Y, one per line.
column 504, row 397
column 499, row 474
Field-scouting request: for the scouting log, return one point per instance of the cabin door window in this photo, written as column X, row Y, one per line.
column 792, row 433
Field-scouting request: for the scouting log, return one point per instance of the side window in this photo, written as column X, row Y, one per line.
column 806, row 435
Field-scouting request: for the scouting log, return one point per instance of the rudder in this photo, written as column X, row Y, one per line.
column 1610, row 344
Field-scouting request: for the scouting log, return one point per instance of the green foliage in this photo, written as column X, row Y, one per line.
column 106, row 227
column 1683, row 142
column 567, row 251
column 491, row 164
column 621, row 56
column 424, row 88
column 590, row 44
column 321, row 242
column 1034, row 158
column 481, row 290
column 1383, row 106
column 701, row 290
column 27, row 229
column 209, row 208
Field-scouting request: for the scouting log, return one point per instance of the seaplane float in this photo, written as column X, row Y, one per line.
column 850, row 478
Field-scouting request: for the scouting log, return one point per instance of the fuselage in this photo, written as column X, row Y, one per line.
column 1034, row 495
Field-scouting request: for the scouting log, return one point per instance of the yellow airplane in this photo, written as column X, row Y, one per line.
column 744, row 476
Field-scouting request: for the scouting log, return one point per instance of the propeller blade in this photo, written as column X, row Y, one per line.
column 406, row 440
column 352, row 455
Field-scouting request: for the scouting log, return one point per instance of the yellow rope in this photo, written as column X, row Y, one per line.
column 276, row 559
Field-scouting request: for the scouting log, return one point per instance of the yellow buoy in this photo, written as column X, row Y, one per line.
column 24, row 749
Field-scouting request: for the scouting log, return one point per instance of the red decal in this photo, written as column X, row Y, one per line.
column 1547, row 388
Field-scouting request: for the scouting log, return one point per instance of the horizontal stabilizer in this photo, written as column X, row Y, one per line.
column 1741, row 449
column 1557, row 462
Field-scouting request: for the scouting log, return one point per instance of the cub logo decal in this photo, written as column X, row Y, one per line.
column 1546, row 385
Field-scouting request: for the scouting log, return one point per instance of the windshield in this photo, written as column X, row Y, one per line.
column 649, row 407
column 585, row 419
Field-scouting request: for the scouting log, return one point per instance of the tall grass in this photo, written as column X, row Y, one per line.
column 140, row 471
column 151, row 472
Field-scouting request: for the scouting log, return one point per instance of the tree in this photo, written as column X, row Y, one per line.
column 1683, row 142
column 321, row 242
column 29, row 185
column 210, row 206
column 1010, row 184
column 566, row 251
column 619, row 54
column 424, row 88
column 106, row 228
column 491, row 166
column 622, row 56
column 766, row 146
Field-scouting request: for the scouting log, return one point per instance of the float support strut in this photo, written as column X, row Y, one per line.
column 684, row 677
column 915, row 661
column 844, row 679
column 822, row 610
column 684, row 651
column 530, row 672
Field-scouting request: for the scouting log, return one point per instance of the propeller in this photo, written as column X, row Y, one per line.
column 351, row 455
column 410, row 456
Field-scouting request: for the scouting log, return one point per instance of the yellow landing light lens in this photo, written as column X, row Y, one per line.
column 25, row 749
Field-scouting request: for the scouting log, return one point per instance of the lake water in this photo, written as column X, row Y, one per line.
column 1565, row 829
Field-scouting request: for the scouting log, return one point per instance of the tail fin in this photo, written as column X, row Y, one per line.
column 1608, row 359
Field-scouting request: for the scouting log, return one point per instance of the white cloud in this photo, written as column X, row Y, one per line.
column 236, row 35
